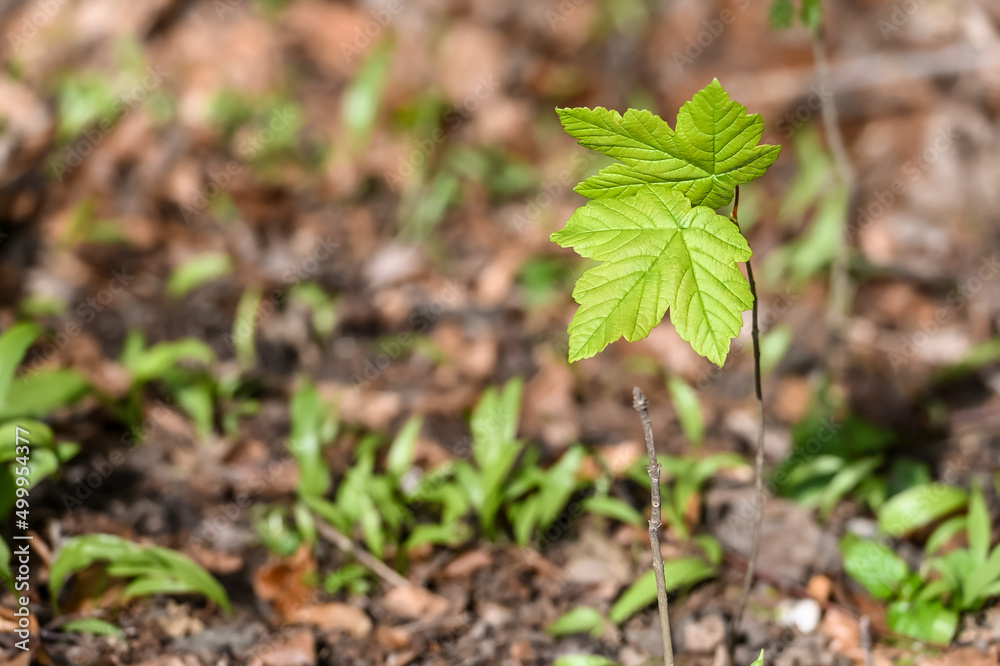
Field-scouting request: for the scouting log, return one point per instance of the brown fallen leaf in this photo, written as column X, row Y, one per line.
column 412, row 602
column 467, row 563
column 395, row 637
column 297, row 649
column 843, row 631
column 334, row 617
column 282, row 582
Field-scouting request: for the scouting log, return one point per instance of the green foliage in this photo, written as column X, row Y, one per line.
column 495, row 449
column 324, row 312
column 93, row 625
column 830, row 461
column 42, row 392
column 688, row 408
column 818, row 193
column 22, row 400
column 927, row 621
column 541, row 278
column 362, row 99
column 925, row 606
column 713, row 149
column 313, row 427
column 680, row 573
column 275, row 531
column 197, row 271
column 685, row 478
column 151, row 569
column 159, row 361
column 612, row 507
column 245, row 328
column 351, row 577
column 584, row 660
column 658, row 253
column 652, row 222
column 5, row 573
column 13, row 345
column 876, row 567
column 773, row 346
column 379, row 496
column 367, row 499
column 915, row 609
column 972, row 574
column 83, row 100
column 180, row 365
column 537, row 496
column 582, row 619
column 782, row 13
column 919, row 506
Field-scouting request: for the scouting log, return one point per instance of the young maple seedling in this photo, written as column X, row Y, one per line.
column 652, row 221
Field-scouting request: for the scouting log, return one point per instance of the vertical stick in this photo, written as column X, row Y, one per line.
column 759, row 461
column 641, row 405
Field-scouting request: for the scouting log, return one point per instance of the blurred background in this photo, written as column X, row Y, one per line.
column 263, row 260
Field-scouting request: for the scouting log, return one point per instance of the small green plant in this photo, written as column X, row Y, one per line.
column 537, row 496
column 927, row 604
column 180, row 366
column 198, row 270
column 323, row 308
column 686, row 475
column 915, row 609
column 816, row 190
column 352, row 577
column 495, row 449
column 24, row 403
column 688, row 407
column 970, row 576
column 830, row 461
column 680, row 574
column 782, row 13
column 652, row 222
column 94, row 626
column 151, row 569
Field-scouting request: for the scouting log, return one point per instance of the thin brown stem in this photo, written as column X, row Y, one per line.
column 344, row 543
column 641, row 405
column 759, row 461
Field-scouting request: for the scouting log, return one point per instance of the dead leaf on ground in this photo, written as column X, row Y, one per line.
column 412, row 602
column 283, row 582
column 298, row 649
column 843, row 631
column 334, row 617
column 468, row 563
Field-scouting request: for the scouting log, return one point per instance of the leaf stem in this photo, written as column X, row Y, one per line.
column 641, row 405
column 759, row 460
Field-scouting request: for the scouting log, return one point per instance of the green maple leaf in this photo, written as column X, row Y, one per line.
column 659, row 252
column 714, row 148
column 651, row 220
